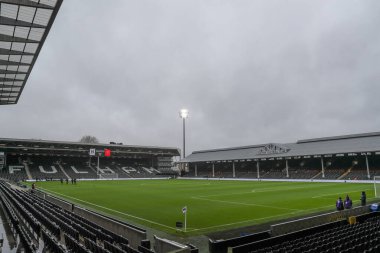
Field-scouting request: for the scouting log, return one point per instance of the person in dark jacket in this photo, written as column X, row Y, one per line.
column 339, row 204
column 363, row 199
column 347, row 203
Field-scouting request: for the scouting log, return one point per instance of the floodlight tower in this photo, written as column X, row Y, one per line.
column 184, row 113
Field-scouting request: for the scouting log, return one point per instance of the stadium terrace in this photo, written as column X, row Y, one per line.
column 355, row 157
column 62, row 197
column 42, row 159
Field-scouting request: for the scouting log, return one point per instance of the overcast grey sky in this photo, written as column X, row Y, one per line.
column 249, row 72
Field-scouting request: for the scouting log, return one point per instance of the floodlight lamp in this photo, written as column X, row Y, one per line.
column 184, row 113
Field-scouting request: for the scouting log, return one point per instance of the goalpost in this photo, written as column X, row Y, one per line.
column 108, row 176
column 376, row 184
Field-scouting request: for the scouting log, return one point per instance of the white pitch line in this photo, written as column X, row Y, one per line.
column 106, row 208
column 245, row 204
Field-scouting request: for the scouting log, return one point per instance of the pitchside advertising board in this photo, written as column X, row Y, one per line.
column 107, row 152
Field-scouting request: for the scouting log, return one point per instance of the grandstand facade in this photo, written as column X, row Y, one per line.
column 40, row 159
column 347, row 157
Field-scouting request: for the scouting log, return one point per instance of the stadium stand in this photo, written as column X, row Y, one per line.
column 61, row 230
column 338, row 236
column 45, row 168
column 352, row 157
column 77, row 168
column 56, row 168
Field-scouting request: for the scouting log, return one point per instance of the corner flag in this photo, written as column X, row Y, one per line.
column 184, row 211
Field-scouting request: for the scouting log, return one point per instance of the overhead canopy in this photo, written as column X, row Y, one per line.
column 346, row 145
column 78, row 149
column 24, row 26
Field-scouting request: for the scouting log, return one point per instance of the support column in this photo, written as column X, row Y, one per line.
column 213, row 170
column 233, row 169
column 287, row 168
column 323, row 168
column 98, row 168
column 196, row 170
column 258, row 169
column 366, row 162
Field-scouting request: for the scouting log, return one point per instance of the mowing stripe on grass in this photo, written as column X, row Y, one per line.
column 339, row 193
column 245, row 204
column 261, row 190
column 240, row 222
column 112, row 210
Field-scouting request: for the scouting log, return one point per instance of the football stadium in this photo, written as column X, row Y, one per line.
column 310, row 195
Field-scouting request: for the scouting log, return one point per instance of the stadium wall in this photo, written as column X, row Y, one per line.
column 281, row 180
column 134, row 235
column 304, row 223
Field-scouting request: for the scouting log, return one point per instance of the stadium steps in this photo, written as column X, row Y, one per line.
column 345, row 173
column 317, row 175
column 122, row 172
column 26, row 166
column 94, row 170
column 64, row 172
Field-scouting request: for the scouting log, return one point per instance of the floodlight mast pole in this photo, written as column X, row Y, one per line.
column 184, row 138
column 184, row 113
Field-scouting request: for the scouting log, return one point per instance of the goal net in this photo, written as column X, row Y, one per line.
column 376, row 184
column 108, row 175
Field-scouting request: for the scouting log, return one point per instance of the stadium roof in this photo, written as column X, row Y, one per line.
column 61, row 148
column 24, row 26
column 350, row 145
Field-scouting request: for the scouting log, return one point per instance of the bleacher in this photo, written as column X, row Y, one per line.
column 334, row 237
column 44, row 168
column 78, row 168
column 61, row 230
column 57, row 168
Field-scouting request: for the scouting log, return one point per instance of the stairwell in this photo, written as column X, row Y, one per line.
column 122, row 172
column 345, row 173
column 26, row 166
column 319, row 173
column 94, row 170
column 64, row 172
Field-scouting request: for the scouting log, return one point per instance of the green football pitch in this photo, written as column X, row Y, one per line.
column 211, row 205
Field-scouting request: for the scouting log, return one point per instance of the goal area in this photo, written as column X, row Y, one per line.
column 108, row 175
column 376, row 185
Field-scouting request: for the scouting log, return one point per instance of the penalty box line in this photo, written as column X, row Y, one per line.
column 106, row 208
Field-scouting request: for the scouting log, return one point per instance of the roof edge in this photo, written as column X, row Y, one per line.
column 231, row 148
column 339, row 137
column 81, row 143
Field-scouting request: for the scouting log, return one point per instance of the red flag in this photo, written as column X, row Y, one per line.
column 107, row 152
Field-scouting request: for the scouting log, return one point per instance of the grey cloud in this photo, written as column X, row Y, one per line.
column 249, row 72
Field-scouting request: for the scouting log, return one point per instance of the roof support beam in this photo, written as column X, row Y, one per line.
column 13, row 52
column 4, row 79
column 3, row 71
column 13, row 63
column 8, row 38
column 8, row 86
column 14, row 22
column 10, row 96
column 28, row 4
